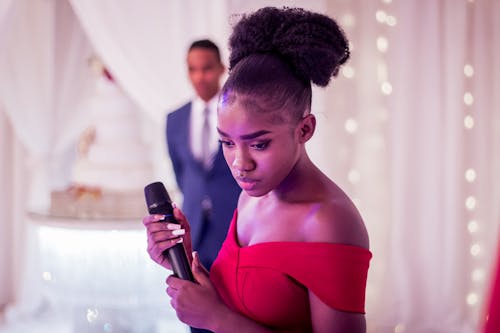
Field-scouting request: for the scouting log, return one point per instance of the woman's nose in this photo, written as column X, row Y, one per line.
column 243, row 161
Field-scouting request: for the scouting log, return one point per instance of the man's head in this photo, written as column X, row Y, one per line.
column 205, row 68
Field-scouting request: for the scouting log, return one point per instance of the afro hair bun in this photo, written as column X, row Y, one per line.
column 312, row 44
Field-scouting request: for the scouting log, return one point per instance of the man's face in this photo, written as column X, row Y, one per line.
column 205, row 72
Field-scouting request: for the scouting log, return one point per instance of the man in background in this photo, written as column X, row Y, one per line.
column 209, row 190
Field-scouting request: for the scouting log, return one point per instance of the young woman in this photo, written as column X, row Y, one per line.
column 296, row 255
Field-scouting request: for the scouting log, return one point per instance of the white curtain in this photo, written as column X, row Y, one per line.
column 410, row 129
column 415, row 125
column 147, row 56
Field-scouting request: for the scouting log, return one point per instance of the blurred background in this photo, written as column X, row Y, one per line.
column 410, row 129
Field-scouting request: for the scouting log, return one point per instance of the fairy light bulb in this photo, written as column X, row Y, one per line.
column 475, row 249
column 472, row 298
column 380, row 16
column 386, row 88
column 391, row 21
column 468, row 70
column 348, row 71
column 472, row 226
column 470, row 175
column 351, row 126
column 470, row 202
column 468, row 98
column 348, row 20
column 469, row 122
column 382, row 44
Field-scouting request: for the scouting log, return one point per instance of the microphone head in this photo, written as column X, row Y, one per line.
column 156, row 194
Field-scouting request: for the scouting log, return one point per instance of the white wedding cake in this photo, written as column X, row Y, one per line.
column 114, row 162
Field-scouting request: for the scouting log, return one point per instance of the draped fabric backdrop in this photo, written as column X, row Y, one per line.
column 410, row 129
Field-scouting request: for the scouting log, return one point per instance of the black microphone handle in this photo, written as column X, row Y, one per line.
column 158, row 202
column 179, row 262
column 177, row 255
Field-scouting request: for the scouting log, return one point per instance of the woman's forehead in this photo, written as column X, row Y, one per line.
column 235, row 121
column 251, row 108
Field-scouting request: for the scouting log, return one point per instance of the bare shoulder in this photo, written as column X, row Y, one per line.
column 337, row 220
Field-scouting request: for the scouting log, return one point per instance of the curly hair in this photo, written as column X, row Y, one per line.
column 276, row 53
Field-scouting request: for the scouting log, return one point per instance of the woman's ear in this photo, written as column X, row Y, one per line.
column 306, row 128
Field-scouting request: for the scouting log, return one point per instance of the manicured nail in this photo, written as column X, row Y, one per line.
column 173, row 226
column 179, row 232
column 159, row 217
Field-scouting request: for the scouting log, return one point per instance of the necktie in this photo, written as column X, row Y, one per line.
column 205, row 138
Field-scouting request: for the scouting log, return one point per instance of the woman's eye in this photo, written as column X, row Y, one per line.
column 260, row 145
column 226, row 143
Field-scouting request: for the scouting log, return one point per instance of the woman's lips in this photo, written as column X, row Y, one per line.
column 246, row 183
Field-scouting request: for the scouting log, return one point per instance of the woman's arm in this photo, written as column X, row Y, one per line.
column 326, row 319
column 337, row 222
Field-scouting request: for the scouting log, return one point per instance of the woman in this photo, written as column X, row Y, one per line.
column 296, row 255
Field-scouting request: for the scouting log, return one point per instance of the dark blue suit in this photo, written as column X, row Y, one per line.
column 217, row 185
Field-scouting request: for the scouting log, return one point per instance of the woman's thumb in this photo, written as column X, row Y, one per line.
column 200, row 273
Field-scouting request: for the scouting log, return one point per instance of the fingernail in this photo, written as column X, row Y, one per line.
column 159, row 217
column 173, row 226
column 179, row 232
column 180, row 240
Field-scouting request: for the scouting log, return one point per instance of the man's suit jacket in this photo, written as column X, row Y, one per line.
column 198, row 184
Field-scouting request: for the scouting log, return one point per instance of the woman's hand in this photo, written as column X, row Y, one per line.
column 196, row 304
column 163, row 235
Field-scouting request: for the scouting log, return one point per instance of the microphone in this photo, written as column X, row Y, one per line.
column 158, row 202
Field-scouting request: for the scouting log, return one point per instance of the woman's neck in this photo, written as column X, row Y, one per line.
column 304, row 183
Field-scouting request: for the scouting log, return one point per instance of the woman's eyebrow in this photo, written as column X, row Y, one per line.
column 249, row 136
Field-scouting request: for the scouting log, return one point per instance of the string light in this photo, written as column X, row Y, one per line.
column 470, row 175
column 348, row 71
column 468, row 98
column 386, row 88
column 468, row 122
column 468, row 70
column 348, row 20
column 470, row 203
column 351, row 126
column 472, row 298
column 475, row 249
column 380, row 16
column 473, row 225
column 382, row 44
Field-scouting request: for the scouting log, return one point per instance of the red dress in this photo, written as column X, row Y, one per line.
column 492, row 317
column 269, row 282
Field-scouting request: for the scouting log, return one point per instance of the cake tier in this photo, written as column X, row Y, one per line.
column 86, row 202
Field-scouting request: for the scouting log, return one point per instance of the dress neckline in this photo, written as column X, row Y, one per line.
column 234, row 238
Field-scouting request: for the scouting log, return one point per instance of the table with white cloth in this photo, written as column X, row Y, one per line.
column 97, row 275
